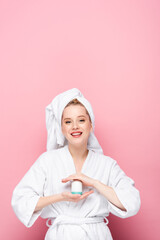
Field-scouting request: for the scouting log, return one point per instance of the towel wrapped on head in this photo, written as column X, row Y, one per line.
column 54, row 111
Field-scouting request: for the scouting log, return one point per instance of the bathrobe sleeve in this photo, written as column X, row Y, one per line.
column 125, row 190
column 28, row 191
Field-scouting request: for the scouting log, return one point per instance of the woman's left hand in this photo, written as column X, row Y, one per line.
column 87, row 181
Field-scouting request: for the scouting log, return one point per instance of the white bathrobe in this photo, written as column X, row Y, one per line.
column 81, row 220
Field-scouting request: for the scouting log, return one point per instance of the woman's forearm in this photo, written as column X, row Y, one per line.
column 45, row 201
column 105, row 190
column 108, row 193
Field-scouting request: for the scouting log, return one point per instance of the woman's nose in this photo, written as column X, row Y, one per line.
column 75, row 125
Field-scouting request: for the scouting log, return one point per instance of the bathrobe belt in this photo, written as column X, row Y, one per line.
column 64, row 219
column 81, row 221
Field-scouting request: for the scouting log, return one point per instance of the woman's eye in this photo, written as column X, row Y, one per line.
column 81, row 120
column 67, row 122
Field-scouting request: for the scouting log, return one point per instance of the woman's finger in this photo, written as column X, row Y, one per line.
column 69, row 178
column 65, row 180
column 86, row 194
column 81, row 177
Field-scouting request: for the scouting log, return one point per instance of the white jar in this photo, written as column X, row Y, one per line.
column 76, row 187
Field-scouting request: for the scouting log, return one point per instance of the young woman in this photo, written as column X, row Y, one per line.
column 73, row 153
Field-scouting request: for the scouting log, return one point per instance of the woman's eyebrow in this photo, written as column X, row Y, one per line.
column 77, row 116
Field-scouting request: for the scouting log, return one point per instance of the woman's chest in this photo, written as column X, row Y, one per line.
column 62, row 168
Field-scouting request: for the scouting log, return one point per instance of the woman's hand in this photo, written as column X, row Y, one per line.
column 67, row 196
column 87, row 181
column 64, row 196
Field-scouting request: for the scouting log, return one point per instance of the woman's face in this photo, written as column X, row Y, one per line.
column 76, row 125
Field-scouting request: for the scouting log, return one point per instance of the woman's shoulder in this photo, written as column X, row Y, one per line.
column 47, row 156
column 52, row 152
column 104, row 158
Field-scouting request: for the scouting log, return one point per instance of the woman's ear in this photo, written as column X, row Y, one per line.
column 91, row 128
column 62, row 126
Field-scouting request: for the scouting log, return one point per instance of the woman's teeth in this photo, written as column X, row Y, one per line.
column 76, row 134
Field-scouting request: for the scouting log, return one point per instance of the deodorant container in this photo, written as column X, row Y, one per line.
column 76, row 187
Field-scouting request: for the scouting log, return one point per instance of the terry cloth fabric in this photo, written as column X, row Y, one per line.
column 55, row 137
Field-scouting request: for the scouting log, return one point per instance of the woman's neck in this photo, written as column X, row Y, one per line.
column 78, row 153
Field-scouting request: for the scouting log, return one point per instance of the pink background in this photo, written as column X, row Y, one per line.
column 110, row 50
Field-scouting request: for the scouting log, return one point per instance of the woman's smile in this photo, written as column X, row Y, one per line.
column 76, row 134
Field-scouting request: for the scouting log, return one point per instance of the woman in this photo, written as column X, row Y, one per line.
column 73, row 152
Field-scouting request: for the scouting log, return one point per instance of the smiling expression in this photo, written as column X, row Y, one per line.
column 76, row 125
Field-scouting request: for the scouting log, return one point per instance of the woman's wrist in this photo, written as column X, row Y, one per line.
column 99, row 186
column 47, row 200
column 96, row 184
column 60, row 197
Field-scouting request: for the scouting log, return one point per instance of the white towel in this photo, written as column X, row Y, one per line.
column 54, row 110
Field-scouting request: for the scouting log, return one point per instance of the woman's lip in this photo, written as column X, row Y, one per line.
column 76, row 132
column 76, row 136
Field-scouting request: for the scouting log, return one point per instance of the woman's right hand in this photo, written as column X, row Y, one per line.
column 68, row 196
